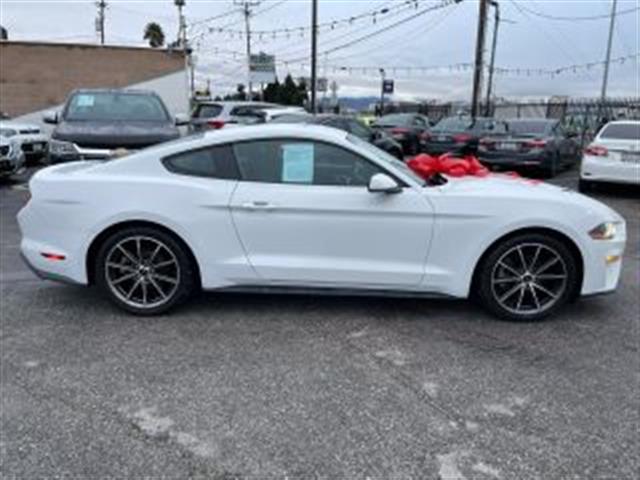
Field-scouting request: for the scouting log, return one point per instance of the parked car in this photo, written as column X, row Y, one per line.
column 461, row 134
column 409, row 129
column 302, row 208
column 215, row 115
column 30, row 137
column 12, row 159
column 351, row 125
column 97, row 124
column 534, row 144
column 613, row 156
column 256, row 115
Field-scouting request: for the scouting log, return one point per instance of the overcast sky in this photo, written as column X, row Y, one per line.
column 443, row 37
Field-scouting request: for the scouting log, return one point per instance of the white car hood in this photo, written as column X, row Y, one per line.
column 505, row 188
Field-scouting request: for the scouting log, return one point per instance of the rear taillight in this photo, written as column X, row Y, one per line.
column 535, row 143
column 399, row 131
column 462, row 138
column 596, row 151
column 215, row 124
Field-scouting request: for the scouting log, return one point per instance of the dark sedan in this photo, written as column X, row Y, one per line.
column 461, row 134
column 97, row 124
column 409, row 129
column 533, row 144
column 348, row 124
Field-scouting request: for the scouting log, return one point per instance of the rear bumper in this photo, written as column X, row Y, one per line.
column 514, row 160
column 599, row 169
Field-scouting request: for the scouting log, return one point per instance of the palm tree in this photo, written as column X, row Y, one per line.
column 153, row 32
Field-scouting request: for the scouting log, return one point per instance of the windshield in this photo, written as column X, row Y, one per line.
column 385, row 158
column 7, row 132
column 530, row 127
column 116, row 106
column 452, row 124
column 622, row 131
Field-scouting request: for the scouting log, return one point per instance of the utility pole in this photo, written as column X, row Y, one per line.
column 102, row 5
column 246, row 10
column 605, row 79
column 479, row 62
column 314, row 54
column 496, row 23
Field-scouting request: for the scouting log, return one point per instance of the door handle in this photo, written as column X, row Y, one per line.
column 258, row 205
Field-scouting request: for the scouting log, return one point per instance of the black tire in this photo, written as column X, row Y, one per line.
column 585, row 186
column 169, row 294
column 491, row 290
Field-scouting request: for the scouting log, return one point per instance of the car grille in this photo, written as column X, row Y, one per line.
column 4, row 150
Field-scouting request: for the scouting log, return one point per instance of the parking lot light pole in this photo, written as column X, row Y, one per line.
column 605, row 78
column 494, row 43
column 314, row 54
column 479, row 61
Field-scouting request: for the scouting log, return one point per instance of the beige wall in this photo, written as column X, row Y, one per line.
column 35, row 76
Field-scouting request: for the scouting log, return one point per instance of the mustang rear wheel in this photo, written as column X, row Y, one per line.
column 527, row 277
column 144, row 270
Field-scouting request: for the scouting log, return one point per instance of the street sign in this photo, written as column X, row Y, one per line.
column 387, row 86
column 262, row 68
column 322, row 84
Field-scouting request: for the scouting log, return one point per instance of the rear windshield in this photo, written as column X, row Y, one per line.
column 398, row 119
column 209, row 111
column 120, row 106
column 452, row 124
column 530, row 127
column 622, row 131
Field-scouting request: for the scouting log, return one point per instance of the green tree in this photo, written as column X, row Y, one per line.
column 154, row 34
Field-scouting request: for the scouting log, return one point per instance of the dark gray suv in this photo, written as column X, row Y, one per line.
column 97, row 124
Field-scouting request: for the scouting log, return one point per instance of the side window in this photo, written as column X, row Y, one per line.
column 212, row 162
column 302, row 162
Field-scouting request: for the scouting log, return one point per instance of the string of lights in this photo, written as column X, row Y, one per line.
column 371, row 16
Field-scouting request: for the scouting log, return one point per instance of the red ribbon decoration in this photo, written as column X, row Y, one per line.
column 447, row 164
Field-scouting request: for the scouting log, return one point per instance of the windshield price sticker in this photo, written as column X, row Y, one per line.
column 85, row 100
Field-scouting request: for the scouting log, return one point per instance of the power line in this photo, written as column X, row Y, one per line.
column 442, row 4
column 574, row 19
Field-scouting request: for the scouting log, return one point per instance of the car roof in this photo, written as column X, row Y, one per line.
column 271, row 130
column 114, row 90
column 235, row 103
column 624, row 122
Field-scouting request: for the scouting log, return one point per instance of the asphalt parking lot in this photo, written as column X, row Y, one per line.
column 239, row 386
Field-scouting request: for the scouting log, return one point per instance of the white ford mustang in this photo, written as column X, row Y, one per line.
column 293, row 208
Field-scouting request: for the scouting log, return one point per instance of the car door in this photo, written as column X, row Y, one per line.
column 306, row 218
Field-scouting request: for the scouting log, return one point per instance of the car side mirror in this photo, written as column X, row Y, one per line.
column 181, row 119
column 383, row 183
column 50, row 117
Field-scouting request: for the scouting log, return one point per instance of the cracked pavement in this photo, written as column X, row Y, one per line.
column 245, row 386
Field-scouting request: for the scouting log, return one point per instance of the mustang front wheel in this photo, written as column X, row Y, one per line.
column 527, row 277
column 144, row 270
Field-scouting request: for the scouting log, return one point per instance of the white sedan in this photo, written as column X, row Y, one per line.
column 300, row 208
column 613, row 156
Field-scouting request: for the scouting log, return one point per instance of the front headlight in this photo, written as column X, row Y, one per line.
column 604, row 231
column 56, row 147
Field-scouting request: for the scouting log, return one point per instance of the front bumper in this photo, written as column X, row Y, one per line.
column 11, row 165
column 599, row 169
column 603, row 264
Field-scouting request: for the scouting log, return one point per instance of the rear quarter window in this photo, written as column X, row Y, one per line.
column 211, row 162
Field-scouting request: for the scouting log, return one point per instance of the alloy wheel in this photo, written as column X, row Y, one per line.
column 529, row 279
column 143, row 272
